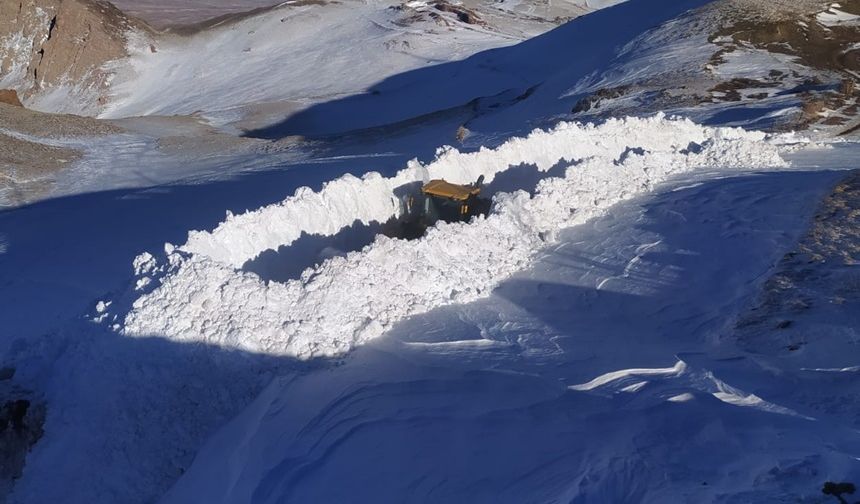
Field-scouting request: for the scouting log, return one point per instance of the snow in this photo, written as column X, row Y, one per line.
column 67, row 98
column 754, row 63
column 638, row 393
column 170, row 13
column 203, row 296
column 578, row 345
column 677, row 47
column 296, row 53
column 835, row 17
column 164, row 13
column 601, row 4
column 614, row 376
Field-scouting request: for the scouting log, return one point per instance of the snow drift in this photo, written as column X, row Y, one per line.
column 199, row 293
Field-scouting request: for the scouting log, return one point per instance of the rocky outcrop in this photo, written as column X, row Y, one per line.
column 28, row 169
column 10, row 97
column 22, row 418
column 805, row 31
column 54, row 53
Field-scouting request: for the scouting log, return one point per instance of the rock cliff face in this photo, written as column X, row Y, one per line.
column 56, row 53
column 10, row 97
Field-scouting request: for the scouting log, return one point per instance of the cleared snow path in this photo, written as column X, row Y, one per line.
column 201, row 295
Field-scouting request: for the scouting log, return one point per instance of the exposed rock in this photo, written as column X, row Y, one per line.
column 10, row 97
column 731, row 89
column 826, row 52
column 54, row 52
column 38, row 124
column 22, row 420
column 463, row 14
column 231, row 18
column 28, row 168
column 812, row 108
column 462, row 133
column 834, row 121
column 593, row 100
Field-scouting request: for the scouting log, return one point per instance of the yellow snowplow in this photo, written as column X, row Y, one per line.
column 441, row 200
column 465, row 197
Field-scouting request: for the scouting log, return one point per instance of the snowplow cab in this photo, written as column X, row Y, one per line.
column 453, row 202
column 438, row 200
column 448, row 190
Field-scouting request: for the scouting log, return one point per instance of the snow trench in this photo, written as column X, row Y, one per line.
column 198, row 293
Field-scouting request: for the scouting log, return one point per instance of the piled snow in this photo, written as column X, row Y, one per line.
column 201, row 296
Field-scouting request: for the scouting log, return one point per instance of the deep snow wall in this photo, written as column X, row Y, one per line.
column 198, row 293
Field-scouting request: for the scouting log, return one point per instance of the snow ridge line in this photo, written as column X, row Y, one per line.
column 200, row 295
column 241, row 238
column 699, row 380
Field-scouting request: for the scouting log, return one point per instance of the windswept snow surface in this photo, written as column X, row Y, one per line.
column 835, row 17
column 202, row 295
column 295, row 53
column 607, row 371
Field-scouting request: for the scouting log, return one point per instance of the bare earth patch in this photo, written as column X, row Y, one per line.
column 10, row 97
column 38, row 124
column 26, row 169
column 28, row 161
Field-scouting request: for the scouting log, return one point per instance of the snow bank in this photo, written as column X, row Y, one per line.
column 199, row 294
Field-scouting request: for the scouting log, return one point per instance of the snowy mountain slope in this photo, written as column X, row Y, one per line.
column 223, row 73
column 120, row 66
column 234, row 308
column 738, row 62
column 505, row 86
column 294, row 53
column 724, row 62
column 804, row 321
column 149, row 140
column 683, row 66
column 595, row 363
column 95, row 370
column 593, row 376
column 164, row 14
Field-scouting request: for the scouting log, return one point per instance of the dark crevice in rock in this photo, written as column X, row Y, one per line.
column 22, row 420
column 51, row 28
column 70, row 42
